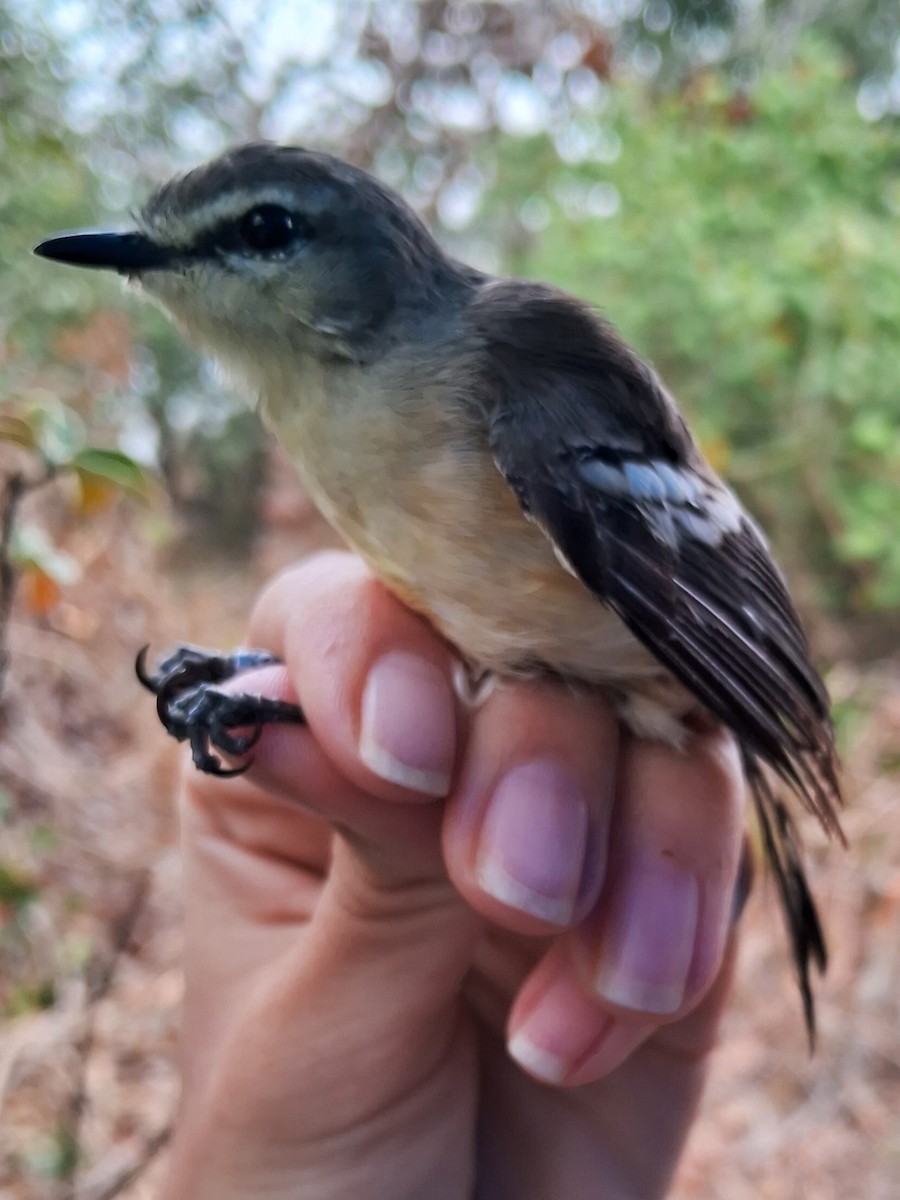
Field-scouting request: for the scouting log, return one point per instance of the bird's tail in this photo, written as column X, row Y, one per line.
column 784, row 852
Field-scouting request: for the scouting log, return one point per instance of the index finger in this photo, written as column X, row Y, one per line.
column 374, row 680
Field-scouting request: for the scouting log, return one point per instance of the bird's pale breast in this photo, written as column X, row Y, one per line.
column 422, row 501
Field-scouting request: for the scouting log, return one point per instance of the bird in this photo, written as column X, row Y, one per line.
column 503, row 460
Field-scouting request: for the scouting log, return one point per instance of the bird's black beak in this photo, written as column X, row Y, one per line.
column 127, row 253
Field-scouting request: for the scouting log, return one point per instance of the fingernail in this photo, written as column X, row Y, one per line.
column 566, row 1037
column 648, row 938
column 560, row 1028
column 408, row 724
column 533, row 842
column 543, row 1064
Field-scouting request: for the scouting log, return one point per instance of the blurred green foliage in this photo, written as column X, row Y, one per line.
column 42, row 181
column 748, row 246
column 17, row 888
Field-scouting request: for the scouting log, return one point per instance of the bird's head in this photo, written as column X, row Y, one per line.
column 272, row 246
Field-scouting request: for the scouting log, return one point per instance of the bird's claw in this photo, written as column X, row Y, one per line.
column 192, row 709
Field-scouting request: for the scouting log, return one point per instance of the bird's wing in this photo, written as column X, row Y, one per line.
column 690, row 575
column 599, row 458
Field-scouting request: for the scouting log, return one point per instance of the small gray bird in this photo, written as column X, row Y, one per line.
column 506, row 464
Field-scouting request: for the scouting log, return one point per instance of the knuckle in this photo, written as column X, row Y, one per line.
column 322, row 570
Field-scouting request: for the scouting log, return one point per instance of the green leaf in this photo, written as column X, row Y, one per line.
column 112, row 466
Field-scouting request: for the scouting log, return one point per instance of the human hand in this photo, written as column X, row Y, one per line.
column 507, row 993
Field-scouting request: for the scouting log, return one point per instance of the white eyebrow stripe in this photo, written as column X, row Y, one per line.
column 174, row 228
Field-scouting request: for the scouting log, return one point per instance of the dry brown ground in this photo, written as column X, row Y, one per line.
column 88, row 820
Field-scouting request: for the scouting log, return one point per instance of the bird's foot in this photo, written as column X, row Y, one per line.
column 192, row 709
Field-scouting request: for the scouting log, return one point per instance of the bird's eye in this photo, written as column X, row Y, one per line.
column 268, row 227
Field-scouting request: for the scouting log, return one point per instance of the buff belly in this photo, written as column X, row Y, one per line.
column 421, row 500
column 463, row 555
